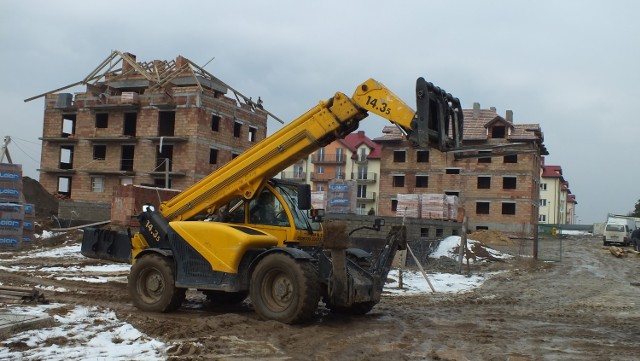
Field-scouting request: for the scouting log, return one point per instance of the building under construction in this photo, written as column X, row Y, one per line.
column 162, row 123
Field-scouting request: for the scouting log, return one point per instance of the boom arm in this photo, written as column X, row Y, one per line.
column 329, row 120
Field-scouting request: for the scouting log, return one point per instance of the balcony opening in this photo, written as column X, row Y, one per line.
column 166, row 124
column 130, row 124
column 213, row 156
column 164, row 158
column 64, row 186
column 68, row 125
column 66, row 157
column 126, row 158
column 215, row 123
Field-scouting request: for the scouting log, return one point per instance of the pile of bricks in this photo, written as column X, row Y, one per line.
column 428, row 206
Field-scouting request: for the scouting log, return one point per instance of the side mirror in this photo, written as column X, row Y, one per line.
column 316, row 215
column 304, row 196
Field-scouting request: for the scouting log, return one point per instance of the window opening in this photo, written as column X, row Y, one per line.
column 102, row 120
column 97, row 184
column 237, row 129
column 482, row 207
column 398, row 181
column 513, row 158
column 422, row 181
column 452, row 171
column 508, row 208
column 498, row 131
column 509, row 182
column 422, row 156
column 484, row 159
column 399, row 156
column 252, row 134
column 484, row 182
column 99, row 152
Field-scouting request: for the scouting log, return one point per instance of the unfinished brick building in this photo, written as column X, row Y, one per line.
column 160, row 123
column 496, row 178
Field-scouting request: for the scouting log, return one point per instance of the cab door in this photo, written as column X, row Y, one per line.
column 269, row 213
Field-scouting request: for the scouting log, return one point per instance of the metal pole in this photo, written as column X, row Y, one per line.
column 166, row 172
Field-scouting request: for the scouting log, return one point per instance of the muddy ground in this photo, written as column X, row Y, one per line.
column 584, row 307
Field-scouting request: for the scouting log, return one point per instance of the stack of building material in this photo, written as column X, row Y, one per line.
column 11, row 218
column 432, row 206
column 11, row 182
column 28, row 229
column 408, row 205
column 319, row 200
column 11, row 210
column 342, row 196
column 451, row 205
column 12, row 294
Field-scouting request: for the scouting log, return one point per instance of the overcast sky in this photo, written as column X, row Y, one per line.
column 571, row 66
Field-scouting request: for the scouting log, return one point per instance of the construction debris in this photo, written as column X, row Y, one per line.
column 21, row 295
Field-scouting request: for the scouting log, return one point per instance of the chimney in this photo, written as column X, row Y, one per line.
column 493, row 109
column 361, row 133
column 125, row 65
column 509, row 116
column 476, row 110
column 181, row 61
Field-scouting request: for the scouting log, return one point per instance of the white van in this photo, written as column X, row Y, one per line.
column 617, row 232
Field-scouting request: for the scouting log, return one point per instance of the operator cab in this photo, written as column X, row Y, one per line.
column 281, row 209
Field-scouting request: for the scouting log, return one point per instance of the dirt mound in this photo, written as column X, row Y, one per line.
column 45, row 204
column 491, row 237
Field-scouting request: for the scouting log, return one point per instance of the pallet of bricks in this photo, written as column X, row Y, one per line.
column 439, row 206
column 11, row 207
column 408, row 205
column 428, row 206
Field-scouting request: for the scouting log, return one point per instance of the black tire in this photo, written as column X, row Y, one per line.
column 225, row 298
column 284, row 289
column 152, row 284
